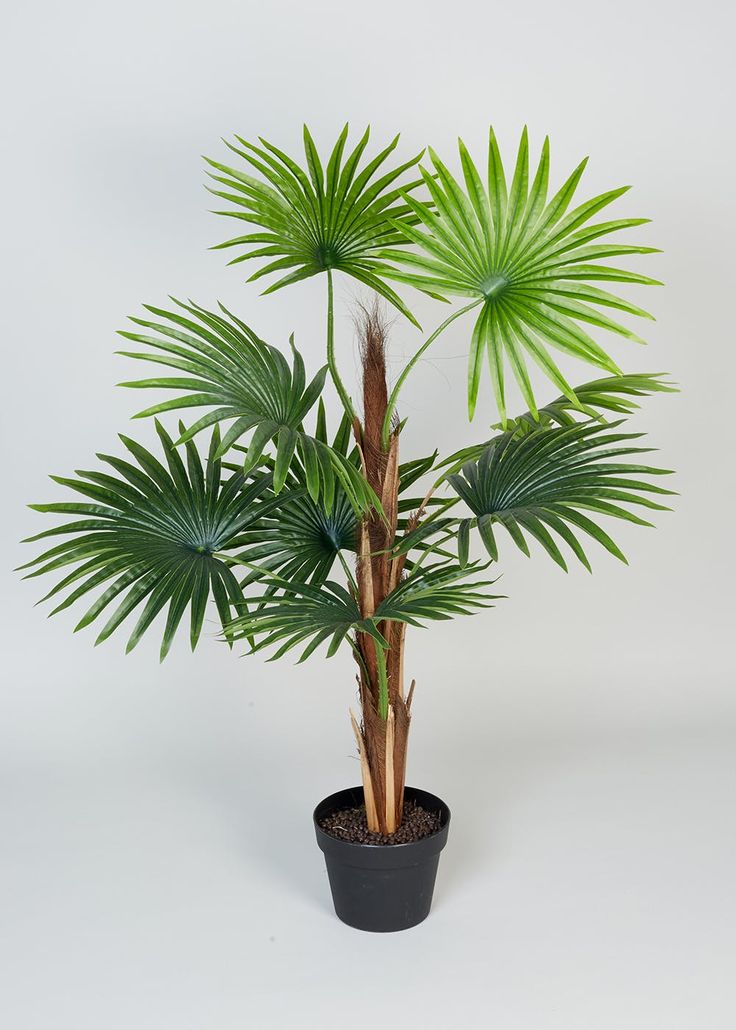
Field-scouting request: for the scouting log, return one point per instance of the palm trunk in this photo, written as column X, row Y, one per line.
column 383, row 733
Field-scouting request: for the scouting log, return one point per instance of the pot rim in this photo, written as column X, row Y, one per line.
column 445, row 815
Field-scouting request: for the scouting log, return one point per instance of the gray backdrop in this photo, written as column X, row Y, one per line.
column 157, row 867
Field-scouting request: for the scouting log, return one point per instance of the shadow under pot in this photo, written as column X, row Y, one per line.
column 382, row 887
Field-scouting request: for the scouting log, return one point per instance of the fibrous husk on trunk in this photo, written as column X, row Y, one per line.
column 383, row 732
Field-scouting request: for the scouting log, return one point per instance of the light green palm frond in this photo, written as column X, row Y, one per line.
column 617, row 394
column 542, row 484
column 334, row 215
column 150, row 532
column 529, row 262
column 611, row 394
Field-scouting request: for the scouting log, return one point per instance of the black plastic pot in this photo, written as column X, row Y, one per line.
column 382, row 887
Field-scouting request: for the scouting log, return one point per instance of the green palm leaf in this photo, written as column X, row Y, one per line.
column 302, row 612
column 334, row 216
column 436, row 593
column 529, row 263
column 246, row 382
column 149, row 532
column 611, row 394
column 302, row 538
column 542, row 484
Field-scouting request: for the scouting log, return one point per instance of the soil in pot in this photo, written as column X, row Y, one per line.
column 351, row 825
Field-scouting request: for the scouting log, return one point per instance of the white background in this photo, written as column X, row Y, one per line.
column 157, row 863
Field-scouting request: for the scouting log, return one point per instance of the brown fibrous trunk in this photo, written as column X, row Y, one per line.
column 382, row 734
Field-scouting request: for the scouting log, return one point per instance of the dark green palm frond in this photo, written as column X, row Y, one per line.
column 411, row 471
column 301, row 612
column 149, row 532
column 436, row 593
column 529, row 263
column 331, row 217
column 302, row 538
column 430, row 533
column 541, row 485
column 246, row 382
column 228, row 369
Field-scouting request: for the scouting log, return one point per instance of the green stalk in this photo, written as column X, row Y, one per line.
column 392, row 401
column 331, row 363
column 348, row 572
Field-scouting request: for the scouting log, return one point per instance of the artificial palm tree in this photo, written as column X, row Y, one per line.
column 305, row 538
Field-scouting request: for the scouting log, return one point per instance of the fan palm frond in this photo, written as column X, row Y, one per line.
column 300, row 612
column 528, row 262
column 436, row 593
column 302, row 539
column 154, row 531
column 327, row 217
column 611, row 394
column 542, row 483
column 246, row 382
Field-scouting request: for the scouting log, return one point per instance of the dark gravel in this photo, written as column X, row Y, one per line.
column 350, row 824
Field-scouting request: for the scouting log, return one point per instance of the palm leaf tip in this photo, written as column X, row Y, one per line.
column 617, row 394
column 531, row 262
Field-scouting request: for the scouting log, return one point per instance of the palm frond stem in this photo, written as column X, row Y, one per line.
column 406, row 371
column 331, row 360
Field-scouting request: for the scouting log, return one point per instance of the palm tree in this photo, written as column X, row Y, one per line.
column 302, row 538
